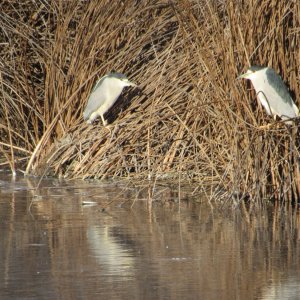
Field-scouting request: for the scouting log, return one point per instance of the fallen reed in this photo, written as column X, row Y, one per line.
column 190, row 119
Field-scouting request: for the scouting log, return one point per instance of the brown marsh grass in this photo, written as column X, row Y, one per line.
column 190, row 119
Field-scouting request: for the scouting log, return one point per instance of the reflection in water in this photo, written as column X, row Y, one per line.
column 112, row 253
column 53, row 247
column 288, row 288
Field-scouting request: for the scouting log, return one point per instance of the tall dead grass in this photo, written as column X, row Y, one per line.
column 190, row 120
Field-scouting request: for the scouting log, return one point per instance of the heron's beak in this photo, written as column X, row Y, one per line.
column 241, row 76
column 245, row 75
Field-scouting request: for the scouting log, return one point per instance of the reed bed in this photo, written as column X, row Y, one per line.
column 190, row 119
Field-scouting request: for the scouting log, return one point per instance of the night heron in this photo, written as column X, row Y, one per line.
column 272, row 92
column 105, row 93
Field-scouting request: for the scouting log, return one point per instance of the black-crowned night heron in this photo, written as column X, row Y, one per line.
column 104, row 95
column 272, row 92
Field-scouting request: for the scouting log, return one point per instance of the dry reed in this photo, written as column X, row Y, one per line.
column 191, row 118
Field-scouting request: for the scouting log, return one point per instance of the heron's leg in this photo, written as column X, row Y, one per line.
column 103, row 121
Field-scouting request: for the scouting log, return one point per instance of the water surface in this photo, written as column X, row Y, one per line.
column 55, row 246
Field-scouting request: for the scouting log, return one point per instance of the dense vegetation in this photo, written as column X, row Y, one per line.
column 190, row 119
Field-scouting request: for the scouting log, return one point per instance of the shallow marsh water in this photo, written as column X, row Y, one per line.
column 54, row 247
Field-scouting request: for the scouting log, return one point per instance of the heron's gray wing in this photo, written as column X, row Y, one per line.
column 99, row 83
column 279, row 86
column 117, row 75
column 96, row 99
